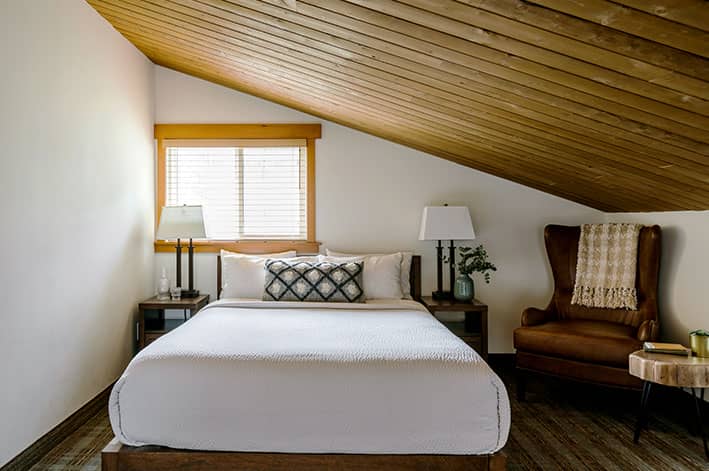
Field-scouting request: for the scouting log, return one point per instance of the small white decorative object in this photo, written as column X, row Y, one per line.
column 163, row 286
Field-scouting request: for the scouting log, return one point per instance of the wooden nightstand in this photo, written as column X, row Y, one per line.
column 151, row 318
column 472, row 330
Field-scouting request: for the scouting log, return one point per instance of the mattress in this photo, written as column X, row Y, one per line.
column 380, row 378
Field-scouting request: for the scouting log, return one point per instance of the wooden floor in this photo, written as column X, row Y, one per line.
column 560, row 427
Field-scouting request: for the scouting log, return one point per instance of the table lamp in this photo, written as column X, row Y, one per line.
column 446, row 223
column 182, row 222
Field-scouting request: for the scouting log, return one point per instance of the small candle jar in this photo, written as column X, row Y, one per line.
column 176, row 293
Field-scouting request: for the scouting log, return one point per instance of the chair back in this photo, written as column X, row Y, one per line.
column 562, row 243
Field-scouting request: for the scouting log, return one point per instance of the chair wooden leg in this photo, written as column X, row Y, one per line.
column 521, row 386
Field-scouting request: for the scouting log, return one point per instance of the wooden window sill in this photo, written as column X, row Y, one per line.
column 243, row 246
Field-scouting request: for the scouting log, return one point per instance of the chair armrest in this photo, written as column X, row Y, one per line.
column 534, row 316
column 648, row 331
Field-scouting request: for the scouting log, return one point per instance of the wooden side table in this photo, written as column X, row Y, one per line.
column 670, row 370
column 151, row 318
column 473, row 329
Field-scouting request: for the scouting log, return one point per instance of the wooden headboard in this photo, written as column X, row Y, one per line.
column 414, row 277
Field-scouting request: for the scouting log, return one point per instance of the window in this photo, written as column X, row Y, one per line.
column 256, row 188
column 250, row 189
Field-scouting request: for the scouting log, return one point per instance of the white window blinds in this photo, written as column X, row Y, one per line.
column 249, row 189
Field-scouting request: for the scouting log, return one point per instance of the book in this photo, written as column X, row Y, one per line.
column 671, row 348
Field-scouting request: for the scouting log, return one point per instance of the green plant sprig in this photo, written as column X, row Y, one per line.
column 700, row 332
column 475, row 260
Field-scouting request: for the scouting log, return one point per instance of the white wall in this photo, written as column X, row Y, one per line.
column 684, row 278
column 370, row 193
column 76, row 204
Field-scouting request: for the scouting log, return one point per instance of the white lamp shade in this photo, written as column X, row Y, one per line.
column 181, row 222
column 446, row 223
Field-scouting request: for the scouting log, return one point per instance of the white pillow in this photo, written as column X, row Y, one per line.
column 381, row 276
column 243, row 274
column 405, row 268
column 286, row 254
column 302, row 258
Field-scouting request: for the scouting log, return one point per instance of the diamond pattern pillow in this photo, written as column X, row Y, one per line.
column 313, row 281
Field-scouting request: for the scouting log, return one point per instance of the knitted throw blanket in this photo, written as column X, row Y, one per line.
column 606, row 266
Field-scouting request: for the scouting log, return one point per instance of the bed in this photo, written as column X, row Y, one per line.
column 293, row 385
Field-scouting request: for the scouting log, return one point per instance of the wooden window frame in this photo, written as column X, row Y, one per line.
column 309, row 132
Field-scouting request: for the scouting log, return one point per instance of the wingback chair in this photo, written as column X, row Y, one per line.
column 582, row 343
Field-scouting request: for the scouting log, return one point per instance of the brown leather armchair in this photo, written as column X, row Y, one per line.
column 581, row 343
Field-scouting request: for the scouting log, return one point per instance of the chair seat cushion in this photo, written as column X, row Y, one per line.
column 590, row 341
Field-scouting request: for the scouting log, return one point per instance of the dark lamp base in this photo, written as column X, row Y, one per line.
column 441, row 295
column 190, row 293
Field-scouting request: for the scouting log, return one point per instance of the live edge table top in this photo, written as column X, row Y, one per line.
column 670, row 370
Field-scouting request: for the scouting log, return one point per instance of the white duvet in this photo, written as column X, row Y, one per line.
column 381, row 377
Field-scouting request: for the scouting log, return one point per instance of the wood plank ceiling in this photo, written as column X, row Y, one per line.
column 600, row 102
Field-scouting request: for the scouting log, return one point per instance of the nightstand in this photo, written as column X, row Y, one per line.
column 151, row 317
column 472, row 330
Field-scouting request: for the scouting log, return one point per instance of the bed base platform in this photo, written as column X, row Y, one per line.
column 118, row 457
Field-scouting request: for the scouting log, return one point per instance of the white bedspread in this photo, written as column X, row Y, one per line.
column 312, row 378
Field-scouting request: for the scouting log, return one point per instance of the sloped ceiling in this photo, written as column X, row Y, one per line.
column 600, row 102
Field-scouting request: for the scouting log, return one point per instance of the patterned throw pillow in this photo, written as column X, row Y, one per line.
column 313, row 281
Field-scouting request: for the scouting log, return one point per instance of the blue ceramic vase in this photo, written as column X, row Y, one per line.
column 464, row 288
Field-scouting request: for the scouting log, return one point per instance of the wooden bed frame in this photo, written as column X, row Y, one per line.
column 118, row 457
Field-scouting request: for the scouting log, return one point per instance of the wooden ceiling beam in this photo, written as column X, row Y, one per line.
column 672, row 60
column 444, row 116
column 452, row 90
column 542, row 98
column 515, row 92
column 692, row 13
column 560, row 68
column 388, row 81
column 375, row 75
column 375, row 35
column 636, row 22
column 565, row 52
column 288, row 54
column 476, row 82
column 514, row 158
column 558, row 147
